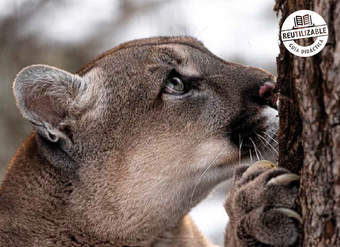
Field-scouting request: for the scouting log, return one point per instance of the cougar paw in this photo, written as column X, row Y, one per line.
column 262, row 206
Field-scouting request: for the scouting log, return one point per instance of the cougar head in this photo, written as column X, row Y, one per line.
column 148, row 129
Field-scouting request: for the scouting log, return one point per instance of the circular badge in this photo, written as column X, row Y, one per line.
column 304, row 24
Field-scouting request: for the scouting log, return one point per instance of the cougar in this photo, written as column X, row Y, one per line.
column 124, row 148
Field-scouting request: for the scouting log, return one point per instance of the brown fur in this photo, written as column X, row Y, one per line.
column 116, row 161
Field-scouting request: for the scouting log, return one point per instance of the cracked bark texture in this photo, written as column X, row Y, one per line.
column 309, row 133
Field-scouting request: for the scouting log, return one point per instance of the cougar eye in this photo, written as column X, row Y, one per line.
column 174, row 85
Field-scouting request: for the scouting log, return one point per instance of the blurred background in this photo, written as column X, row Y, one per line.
column 69, row 33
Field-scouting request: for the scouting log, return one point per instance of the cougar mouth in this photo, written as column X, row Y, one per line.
column 255, row 135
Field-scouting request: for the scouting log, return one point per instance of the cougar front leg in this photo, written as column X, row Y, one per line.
column 262, row 207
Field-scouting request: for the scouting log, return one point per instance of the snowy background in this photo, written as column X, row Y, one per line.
column 69, row 33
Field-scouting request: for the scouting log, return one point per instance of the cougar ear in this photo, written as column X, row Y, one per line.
column 44, row 96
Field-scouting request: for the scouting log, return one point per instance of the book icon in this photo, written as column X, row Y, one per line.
column 303, row 21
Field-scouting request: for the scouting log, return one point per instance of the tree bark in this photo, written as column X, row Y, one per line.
column 309, row 134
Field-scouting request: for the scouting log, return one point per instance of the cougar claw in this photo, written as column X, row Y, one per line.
column 290, row 213
column 265, row 164
column 283, row 179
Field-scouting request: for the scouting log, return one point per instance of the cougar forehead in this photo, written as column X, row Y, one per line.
column 155, row 41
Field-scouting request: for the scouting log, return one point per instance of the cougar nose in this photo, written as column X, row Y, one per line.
column 267, row 94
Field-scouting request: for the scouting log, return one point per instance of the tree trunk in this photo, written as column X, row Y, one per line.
column 309, row 135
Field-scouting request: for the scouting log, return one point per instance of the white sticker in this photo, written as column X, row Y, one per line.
column 304, row 24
